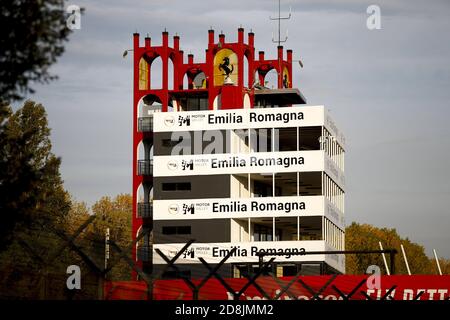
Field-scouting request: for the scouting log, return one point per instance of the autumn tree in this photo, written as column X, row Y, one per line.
column 115, row 214
column 367, row 237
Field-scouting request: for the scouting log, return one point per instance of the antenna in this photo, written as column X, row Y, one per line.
column 279, row 18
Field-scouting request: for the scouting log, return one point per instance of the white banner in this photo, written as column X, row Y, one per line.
column 297, row 116
column 220, row 208
column 238, row 119
column 290, row 251
column 258, row 162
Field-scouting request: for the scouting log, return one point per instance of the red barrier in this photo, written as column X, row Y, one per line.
column 403, row 288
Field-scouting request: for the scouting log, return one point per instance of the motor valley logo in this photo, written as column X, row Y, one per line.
column 187, row 165
column 187, row 120
column 189, row 253
column 188, row 208
column 169, row 121
column 184, row 120
column 194, row 252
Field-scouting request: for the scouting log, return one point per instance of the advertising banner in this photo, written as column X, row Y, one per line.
column 397, row 287
column 220, row 208
column 239, row 119
column 297, row 116
column 206, row 164
column 286, row 251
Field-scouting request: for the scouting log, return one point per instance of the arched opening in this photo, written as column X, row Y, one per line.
column 144, row 193
column 146, row 107
column 156, row 74
column 247, row 104
column 145, row 150
column 185, row 81
column 271, row 79
column 170, row 75
column 199, row 81
column 149, row 104
column 143, row 74
column 145, row 158
column 257, row 82
column 217, row 104
column 138, row 232
column 142, row 246
column 140, row 194
column 141, row 151
column 245, row 80
column 286, row 79
column 173, row 104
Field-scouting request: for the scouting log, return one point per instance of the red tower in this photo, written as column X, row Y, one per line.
column 217, row 83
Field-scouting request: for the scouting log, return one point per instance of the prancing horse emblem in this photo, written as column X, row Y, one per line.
column 225, row 67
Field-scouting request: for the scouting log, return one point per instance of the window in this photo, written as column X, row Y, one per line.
column 176, row 186
column 264, row 233
column 171, row 230
column 184, row 230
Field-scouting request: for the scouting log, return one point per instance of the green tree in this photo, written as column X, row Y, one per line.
column 366, row 237
column 31, row 189
column 116, row 215
column 32, row 37
column 33, row 201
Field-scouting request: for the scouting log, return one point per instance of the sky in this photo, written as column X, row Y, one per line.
column 387, row 89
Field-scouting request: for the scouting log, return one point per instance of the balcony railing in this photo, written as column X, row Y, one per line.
column 145, row 124
column 145, row 210
column 145, row 167
column 143, row 253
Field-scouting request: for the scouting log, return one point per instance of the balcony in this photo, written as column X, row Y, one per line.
column 145, row 124
column 145, row 210
column 143, row 253
column 145, row 167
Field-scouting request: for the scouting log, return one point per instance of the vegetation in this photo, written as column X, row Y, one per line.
column 366, row 237
column 32, row 37
column 39, row 216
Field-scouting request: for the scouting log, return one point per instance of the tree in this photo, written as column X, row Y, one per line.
column 33, row 201
column 366, row 237
column 114, row 214
column 32, row 37
column 31, row 189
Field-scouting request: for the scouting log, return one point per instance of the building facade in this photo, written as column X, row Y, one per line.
column 221, row 159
